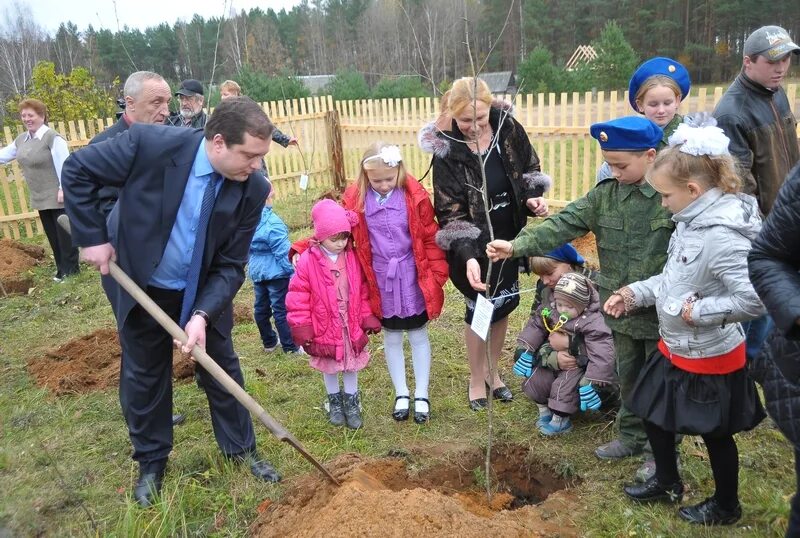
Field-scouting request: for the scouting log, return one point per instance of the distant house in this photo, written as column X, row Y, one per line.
column 316, row 83
column 499, row 82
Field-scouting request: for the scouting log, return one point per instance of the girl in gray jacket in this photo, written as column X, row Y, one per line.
column 696, row 383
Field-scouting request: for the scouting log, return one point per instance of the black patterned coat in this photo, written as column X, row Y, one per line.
column 774, row 265
column 457, row 183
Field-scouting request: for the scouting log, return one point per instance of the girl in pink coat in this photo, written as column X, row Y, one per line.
column 329, row 311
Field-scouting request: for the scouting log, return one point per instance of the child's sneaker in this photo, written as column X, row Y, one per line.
column 556, row 426
column 544, row 420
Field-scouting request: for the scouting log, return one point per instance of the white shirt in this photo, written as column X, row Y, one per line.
column 59, row 151
column 331, row 256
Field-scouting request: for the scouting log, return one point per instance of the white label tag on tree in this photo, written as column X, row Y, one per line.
column 304, row 182
column 482, row 317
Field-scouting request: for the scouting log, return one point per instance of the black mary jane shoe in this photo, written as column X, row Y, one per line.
column 401, row 414
column 422, row 418
column 652, row 490
column 709, row 512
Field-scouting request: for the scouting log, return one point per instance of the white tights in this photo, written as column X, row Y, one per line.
column 396, row 361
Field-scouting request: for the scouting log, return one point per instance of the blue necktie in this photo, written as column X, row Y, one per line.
column 190, row 293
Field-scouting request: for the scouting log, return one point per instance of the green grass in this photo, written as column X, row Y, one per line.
column 65, row 467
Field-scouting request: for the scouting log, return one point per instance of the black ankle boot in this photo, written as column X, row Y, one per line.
column 352, row 411
column 709, row 512
column 653, row 490
column 148, row 486
column 336, row 409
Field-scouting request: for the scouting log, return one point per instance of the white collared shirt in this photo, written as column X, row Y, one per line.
column 59, row 151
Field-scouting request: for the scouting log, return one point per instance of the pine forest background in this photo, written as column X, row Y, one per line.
column 380, row 48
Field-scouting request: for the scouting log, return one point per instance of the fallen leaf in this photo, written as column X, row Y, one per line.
column 263, row 506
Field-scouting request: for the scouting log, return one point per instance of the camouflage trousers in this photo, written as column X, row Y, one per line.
column 631, row 356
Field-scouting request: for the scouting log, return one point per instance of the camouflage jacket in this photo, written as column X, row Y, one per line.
column 457, row 183
column 632, row 231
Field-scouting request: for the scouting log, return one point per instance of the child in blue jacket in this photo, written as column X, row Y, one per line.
column 270, row 269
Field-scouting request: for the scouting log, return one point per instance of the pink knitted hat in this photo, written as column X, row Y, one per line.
column 330, row 219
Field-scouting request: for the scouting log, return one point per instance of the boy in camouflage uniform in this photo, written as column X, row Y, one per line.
column 633, row 232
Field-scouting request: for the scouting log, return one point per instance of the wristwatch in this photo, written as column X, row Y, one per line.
column 201, row 314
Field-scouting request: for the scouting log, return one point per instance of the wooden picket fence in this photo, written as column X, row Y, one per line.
column 334, row 135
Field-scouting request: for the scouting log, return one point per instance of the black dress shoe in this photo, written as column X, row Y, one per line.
column 653, row 490
column 178, row 419
column 709, row 512
column 422, row 418
column 148, row 486
column 503, row 394
column 401, row 414
column 478, row 403
column 264, row 470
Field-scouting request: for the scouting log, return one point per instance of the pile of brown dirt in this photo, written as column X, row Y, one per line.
column 382, row 497
column 16, row 260
column 587, row 247
column 90, row 363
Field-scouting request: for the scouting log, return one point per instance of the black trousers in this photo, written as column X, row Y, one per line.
column 145, row 386
column 65, row 254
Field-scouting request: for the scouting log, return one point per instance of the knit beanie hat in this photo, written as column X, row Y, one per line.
column 330, row 219
column 574, row 288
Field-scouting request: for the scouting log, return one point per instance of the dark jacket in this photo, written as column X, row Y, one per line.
column 108, row 195
column 763, row 133
column 774, row 263
column 153, row 163
column 198, row 121
column 457, row 184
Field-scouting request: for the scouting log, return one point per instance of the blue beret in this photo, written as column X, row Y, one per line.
column 629, row 133
column 566, row 253
column 658, row 66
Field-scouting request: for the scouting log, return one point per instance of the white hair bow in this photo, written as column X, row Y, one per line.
column 699, row 135
column 389, row 155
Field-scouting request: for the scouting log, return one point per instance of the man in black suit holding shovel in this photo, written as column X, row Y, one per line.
column 188, row 207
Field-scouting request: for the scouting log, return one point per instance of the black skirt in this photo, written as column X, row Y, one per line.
column 504, row 286
column 696, row 404
column 410, row 323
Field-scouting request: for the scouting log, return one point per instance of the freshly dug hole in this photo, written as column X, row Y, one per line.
column 444, row 497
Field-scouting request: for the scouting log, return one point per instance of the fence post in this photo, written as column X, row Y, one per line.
column 333, row 130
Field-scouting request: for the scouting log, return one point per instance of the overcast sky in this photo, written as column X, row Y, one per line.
column 135, row 13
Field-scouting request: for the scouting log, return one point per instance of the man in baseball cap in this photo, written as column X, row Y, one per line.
column 191, row 114
column 754, row 113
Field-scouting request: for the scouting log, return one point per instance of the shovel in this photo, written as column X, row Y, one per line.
column 206, row 361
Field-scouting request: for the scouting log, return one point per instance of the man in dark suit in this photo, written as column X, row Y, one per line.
column 189, row 204
column 147, row 98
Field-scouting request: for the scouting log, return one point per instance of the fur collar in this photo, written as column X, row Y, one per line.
column 432, row 141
